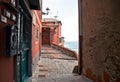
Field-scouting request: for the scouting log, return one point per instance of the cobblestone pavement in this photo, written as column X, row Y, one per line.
column 54, row 66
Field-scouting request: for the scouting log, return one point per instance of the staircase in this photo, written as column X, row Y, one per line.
column 55, row 66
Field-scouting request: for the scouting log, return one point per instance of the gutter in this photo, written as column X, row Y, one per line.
column 80, row 28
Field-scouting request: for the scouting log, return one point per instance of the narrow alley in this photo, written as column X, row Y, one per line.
column 55, row 66
column 27, row 27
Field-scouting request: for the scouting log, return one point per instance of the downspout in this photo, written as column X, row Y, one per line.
column 40, row 41
column 80, row 35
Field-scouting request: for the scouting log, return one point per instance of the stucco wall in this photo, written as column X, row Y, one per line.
column 54, row 34
column 36, row 22
column 6, row 63
column 57, row 34
column 101, row 40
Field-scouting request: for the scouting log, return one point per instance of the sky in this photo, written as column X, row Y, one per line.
column 67, row 13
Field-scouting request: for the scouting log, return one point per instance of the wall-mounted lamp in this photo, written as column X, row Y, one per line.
column 47, row 11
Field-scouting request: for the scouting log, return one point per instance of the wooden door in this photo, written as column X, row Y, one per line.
column 46, row 36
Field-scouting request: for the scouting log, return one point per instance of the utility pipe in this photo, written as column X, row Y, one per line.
column 80, row 35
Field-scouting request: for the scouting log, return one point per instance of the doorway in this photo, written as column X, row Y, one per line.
column 24, row 58
column 45, row 36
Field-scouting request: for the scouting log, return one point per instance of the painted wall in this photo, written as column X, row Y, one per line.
column 101, row 40
column 6, row 63
column 36, row 25
column 57, row 34
column 55, row 29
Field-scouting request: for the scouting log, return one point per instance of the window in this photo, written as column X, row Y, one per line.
column 36, row 33
column 60, row 40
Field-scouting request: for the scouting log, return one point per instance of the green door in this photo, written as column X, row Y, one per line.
column 18, row 69
column 24, row 65
column 24, row 54
column 22, row 58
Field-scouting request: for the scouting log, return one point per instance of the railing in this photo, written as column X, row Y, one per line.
column 65, row 50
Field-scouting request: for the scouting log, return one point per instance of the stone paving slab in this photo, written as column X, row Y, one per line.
column 56, row 68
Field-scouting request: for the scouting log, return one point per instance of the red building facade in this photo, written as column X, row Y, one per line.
column 57, row 35
column 16, row 39
column 36, row 35
column 51, row 32
column 7, row 64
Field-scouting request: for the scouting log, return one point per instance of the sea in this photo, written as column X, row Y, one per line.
column 73, row 45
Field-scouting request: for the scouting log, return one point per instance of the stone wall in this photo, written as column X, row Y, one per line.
column 101, row 40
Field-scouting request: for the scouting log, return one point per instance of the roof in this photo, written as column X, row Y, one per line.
column 50, row 20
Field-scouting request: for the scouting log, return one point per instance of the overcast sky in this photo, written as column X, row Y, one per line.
column 67, row 12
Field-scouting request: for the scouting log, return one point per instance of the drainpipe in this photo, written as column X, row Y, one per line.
column 40, row 44
column 80, row 28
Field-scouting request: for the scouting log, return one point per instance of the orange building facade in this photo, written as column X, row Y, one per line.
column 51, row 32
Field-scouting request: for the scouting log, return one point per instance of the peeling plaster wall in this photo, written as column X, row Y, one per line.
column 101, row 40
column 36, row 37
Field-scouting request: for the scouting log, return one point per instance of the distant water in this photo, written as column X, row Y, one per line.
column 73, row 45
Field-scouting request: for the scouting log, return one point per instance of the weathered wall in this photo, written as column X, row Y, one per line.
column 65, row 50
column 6, row 63
column 36, row 25
column 57, row 34
column 101, row 40
column 36, row 41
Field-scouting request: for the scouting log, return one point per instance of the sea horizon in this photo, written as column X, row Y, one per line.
column 72, row 45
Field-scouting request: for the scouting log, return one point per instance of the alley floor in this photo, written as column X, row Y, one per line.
column 54, row 66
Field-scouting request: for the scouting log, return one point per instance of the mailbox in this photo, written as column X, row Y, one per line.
column 8, row 12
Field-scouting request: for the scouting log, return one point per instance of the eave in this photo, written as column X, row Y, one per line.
column 35, row 4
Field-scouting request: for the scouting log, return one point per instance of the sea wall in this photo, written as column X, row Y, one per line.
column 65, row 50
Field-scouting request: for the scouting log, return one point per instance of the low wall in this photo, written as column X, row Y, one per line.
column 65, row 50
